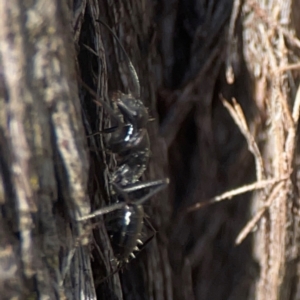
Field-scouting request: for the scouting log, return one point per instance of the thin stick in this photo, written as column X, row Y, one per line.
column 238, row 191
column 238, row 116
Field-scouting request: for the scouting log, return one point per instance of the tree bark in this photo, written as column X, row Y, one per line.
column 43, row 154
column 192, row 59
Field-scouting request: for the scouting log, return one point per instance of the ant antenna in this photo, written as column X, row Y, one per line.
column 136, row 82
column 100, row 102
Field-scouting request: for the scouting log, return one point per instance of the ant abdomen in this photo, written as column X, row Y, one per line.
column 124, row 227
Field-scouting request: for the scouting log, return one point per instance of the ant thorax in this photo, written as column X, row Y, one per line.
column 128, row 139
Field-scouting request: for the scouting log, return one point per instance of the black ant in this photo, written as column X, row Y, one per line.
column 128, row 139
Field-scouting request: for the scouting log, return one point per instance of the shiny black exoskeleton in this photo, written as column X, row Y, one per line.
column 130, row 140
column 124, row 227
column 134, row 118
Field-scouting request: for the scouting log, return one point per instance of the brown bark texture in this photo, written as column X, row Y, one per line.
column 220, row 80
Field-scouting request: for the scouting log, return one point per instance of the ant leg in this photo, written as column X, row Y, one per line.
column 102, row 211
column 108, row 130
column 104, row 131
column 160, row 185
column 148, row 184
column 148, row 223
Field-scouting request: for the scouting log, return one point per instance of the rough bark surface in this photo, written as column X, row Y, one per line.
column 220, row 79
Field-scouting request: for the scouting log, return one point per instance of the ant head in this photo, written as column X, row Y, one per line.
column 134, row 111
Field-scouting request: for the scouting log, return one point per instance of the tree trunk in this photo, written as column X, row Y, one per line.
column 192, row 58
